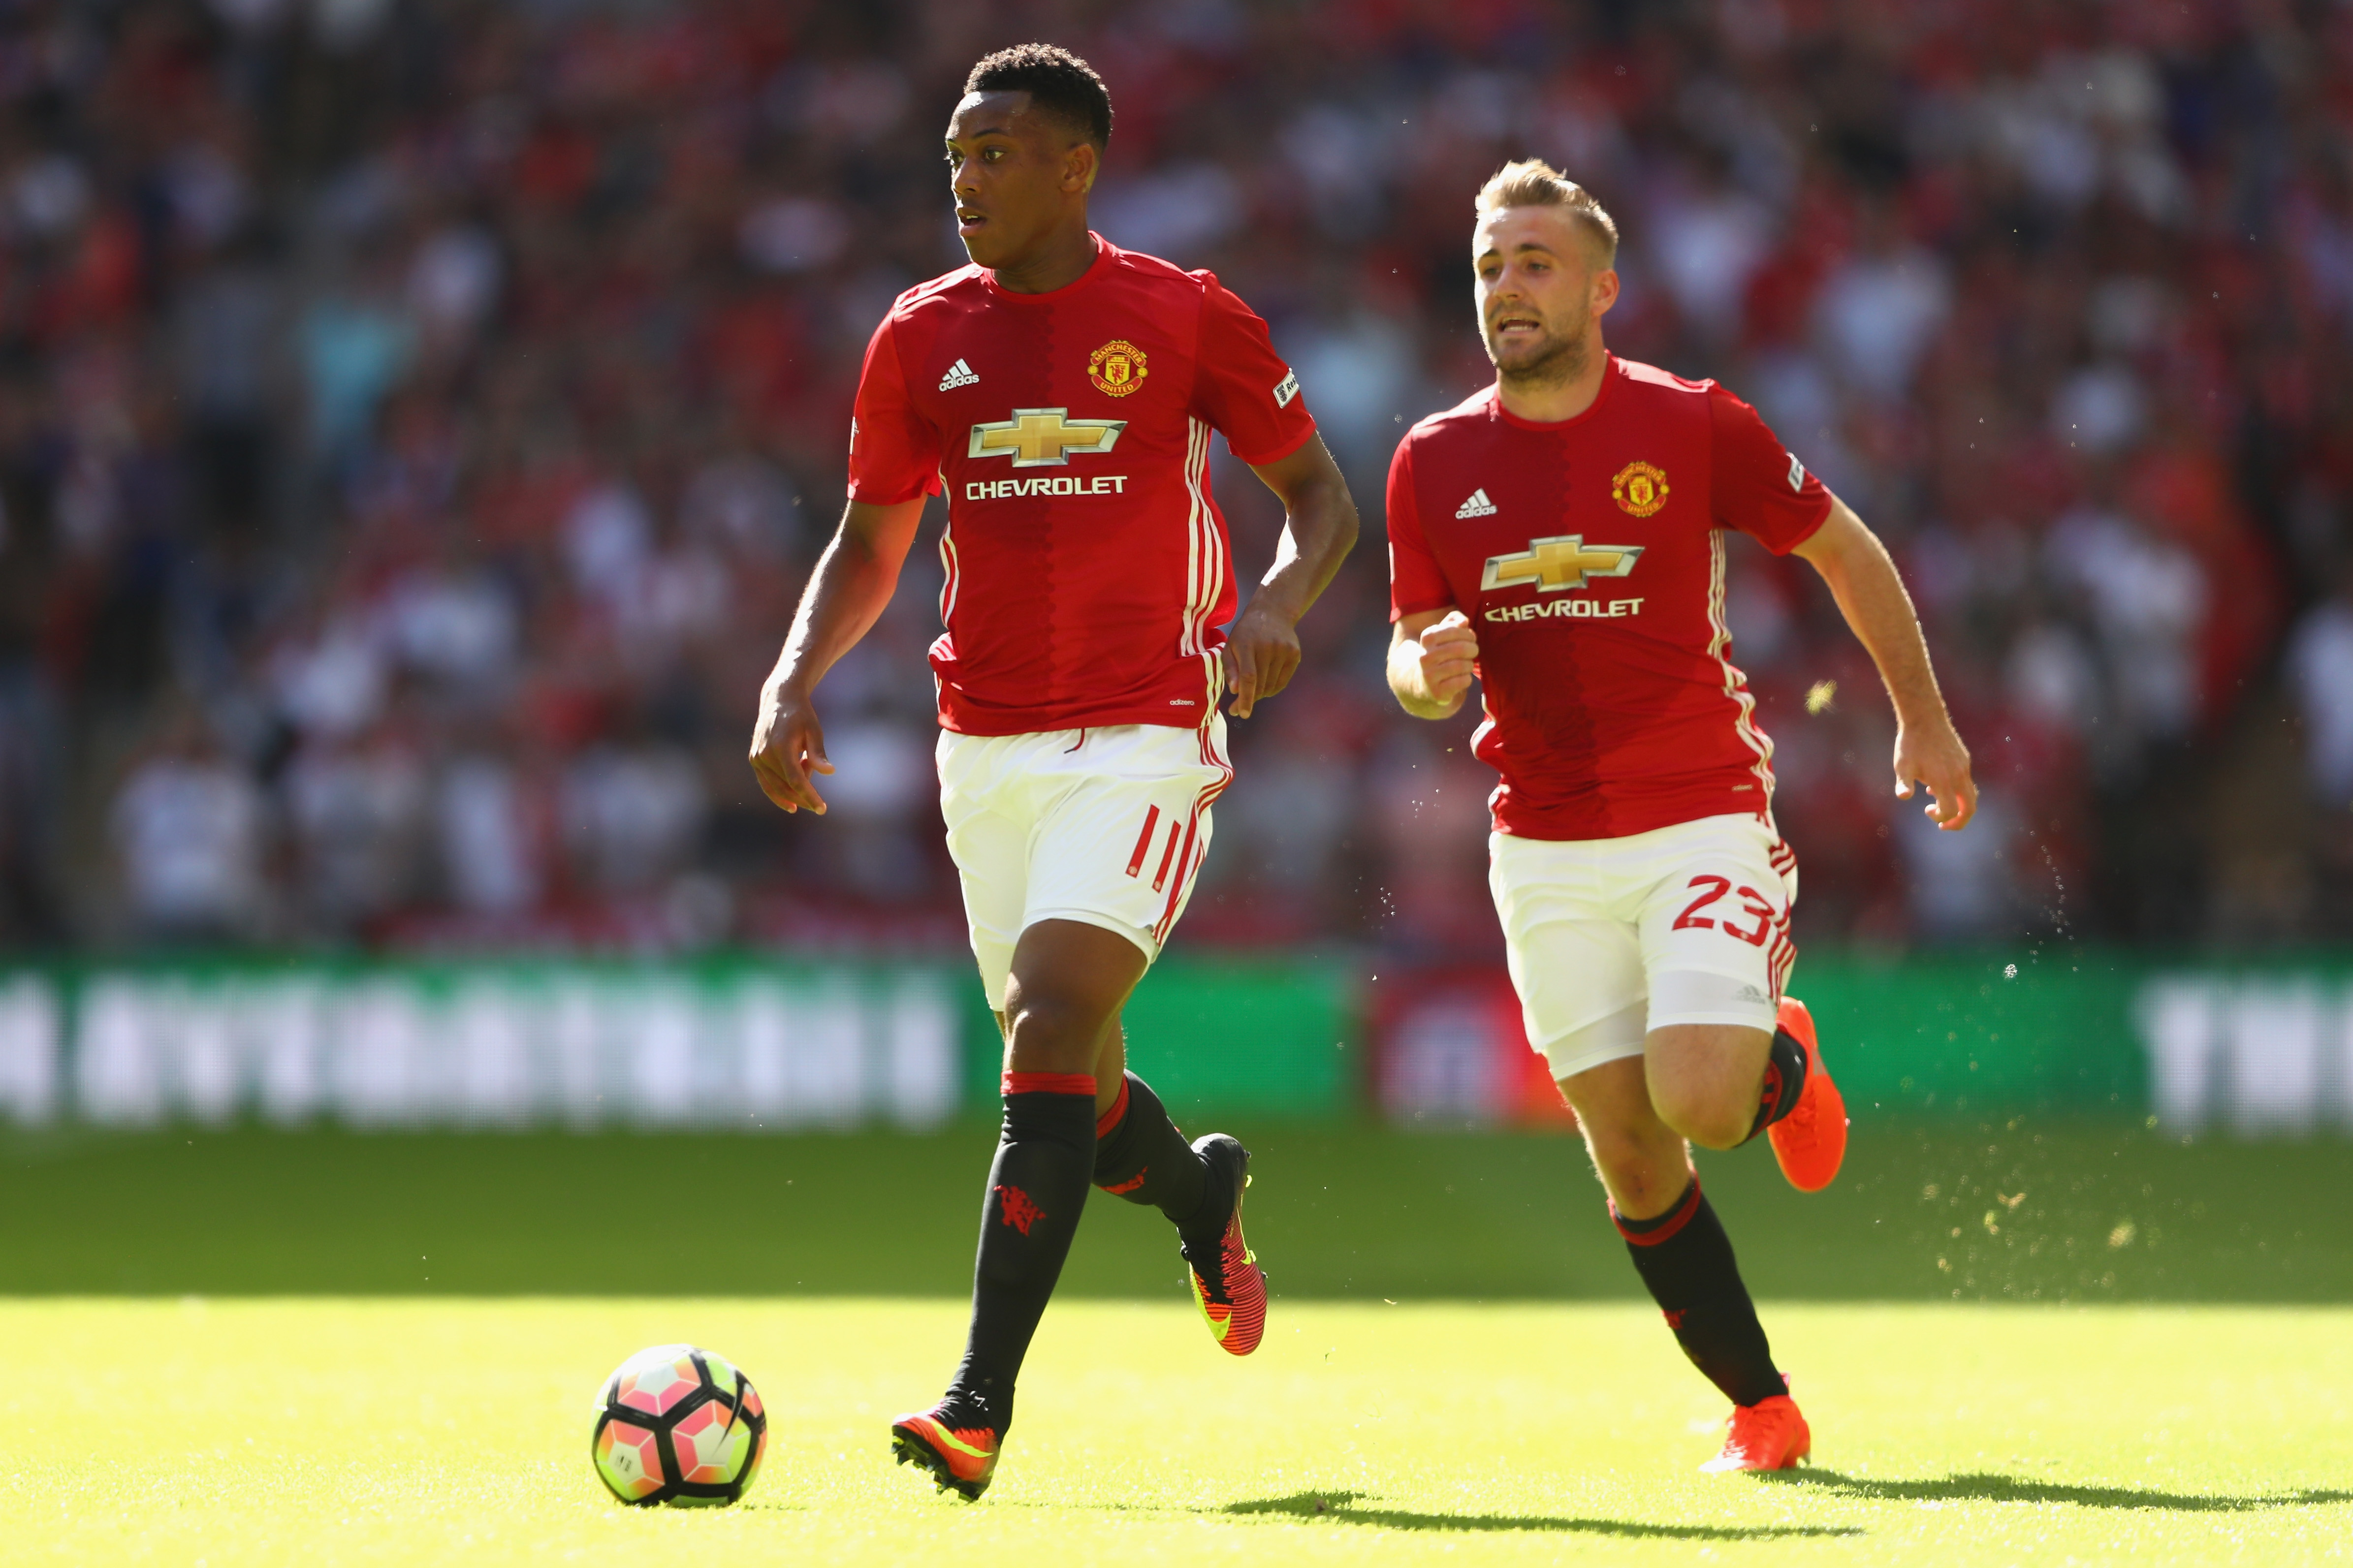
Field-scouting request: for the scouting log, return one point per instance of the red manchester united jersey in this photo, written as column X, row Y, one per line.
column 1589, row 557
column 1087, row 568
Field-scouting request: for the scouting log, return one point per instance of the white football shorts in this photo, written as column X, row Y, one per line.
column 1610, row 938
column 1106, row 826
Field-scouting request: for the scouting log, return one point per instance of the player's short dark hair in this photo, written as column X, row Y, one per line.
column 1058, row 82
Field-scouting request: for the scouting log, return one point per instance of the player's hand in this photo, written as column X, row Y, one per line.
column 1262, row 655
column 1934, row 756
column 1449, row 648
column 787, row 746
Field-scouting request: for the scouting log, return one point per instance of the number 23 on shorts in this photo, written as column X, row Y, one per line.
column 1711, row 891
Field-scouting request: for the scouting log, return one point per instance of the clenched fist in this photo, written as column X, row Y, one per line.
column 1449, row 649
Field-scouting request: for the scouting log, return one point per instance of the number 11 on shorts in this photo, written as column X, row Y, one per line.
column 1144, row 848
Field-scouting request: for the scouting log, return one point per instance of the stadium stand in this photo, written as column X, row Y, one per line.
column 418, row 416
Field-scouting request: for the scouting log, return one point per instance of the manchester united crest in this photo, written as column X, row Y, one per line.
column 1116, row 368
column 1640, row 489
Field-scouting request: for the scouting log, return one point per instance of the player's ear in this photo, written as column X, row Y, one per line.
column 1080, row 166
column 1605, row 291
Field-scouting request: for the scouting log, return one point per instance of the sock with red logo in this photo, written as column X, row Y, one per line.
column 1037, row 1189
column 1141, row 1156
column 1685, row 1259
column 1785, row 1081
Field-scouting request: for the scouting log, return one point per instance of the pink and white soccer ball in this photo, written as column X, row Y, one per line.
column 679, row 1425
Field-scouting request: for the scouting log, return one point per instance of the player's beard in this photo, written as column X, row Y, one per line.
column 1557, row 362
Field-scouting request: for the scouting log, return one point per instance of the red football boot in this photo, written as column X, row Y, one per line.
column 1767, row 1435
column 958, row 1460
column 1811, row 1141
column 1228, row 1286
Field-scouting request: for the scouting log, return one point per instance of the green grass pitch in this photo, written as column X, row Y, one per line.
column 2020, row 1342
column 336, row 1430
column 2026, row 1209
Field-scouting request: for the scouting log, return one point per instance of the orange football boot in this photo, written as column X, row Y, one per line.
column 1767, row 1435
column 1811, row 1141
column 958, row 1460
column 1232, row 1294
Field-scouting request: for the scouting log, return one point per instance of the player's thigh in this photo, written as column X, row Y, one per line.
column 1713, row 912
column 1577, row 966
column 1714, row 922
column 1123, row 839
column 1641, row 1160
column 990, row 827
column 1069, row 979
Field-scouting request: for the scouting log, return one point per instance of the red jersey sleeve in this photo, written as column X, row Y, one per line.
column 894, row 452
column 1415, row 581
column 1242, row 386
column 1760, row 488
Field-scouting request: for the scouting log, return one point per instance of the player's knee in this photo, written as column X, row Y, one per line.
column 1642, row 1181
column 1050, row 1031
column 1640, row 1163
column 1709, row 1119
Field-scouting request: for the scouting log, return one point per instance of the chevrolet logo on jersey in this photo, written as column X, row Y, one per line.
column 1556, row 565
column 1043, row 438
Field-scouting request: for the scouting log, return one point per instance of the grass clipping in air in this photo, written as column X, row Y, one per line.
column 374, row 1431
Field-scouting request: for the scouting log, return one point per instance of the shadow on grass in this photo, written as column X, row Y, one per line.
column 1989, row 1488
column 1343, row 1506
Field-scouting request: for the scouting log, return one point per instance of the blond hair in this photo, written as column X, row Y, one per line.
column 1533, row 182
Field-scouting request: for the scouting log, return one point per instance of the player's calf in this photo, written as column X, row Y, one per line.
column 1140, row 1157
column 1037, row 1190
column 1686, row 1260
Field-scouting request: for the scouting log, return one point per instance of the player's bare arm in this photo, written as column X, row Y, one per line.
column 1432, row 657
column 1870, row 593
column 853, row 581
column 1319, row 528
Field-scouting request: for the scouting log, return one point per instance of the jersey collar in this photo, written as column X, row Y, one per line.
column 1104, row 251
column 1609, row 379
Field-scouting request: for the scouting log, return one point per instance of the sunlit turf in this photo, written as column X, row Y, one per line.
column 348, row 1430
column 2022, row 1209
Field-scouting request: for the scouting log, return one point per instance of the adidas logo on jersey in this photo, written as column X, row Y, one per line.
column 959, row 375
column 1477, row 506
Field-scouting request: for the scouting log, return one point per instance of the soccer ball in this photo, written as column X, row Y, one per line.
column 679, row 1425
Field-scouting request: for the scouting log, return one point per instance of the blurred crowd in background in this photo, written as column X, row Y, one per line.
column 417, row 419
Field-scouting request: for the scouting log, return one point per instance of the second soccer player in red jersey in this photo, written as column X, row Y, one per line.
column 1559, row 537
column 1062, row 394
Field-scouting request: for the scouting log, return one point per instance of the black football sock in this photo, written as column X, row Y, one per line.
column 1686, row 1258
column 1141, row 1156
column 1785, row 1081
column 1037, row 1189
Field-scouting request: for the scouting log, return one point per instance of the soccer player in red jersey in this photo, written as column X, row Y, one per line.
column 1062, row 392
column 1559, row 537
